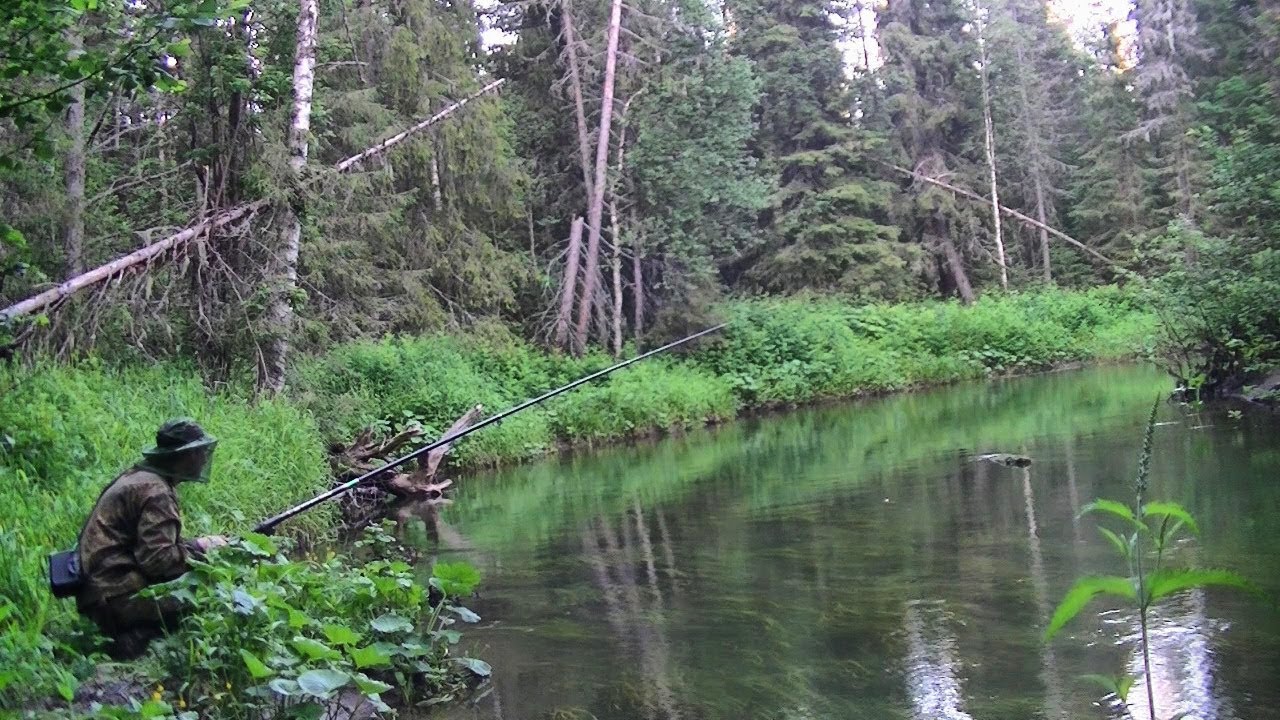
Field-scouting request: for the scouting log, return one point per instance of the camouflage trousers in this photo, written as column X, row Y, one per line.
column 133, row 622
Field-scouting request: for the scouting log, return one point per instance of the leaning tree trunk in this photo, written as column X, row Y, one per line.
column 955, row 262
column 579, row 105
column 569, row 284
column 73, row 221
column 283, row 269
column 595, row 212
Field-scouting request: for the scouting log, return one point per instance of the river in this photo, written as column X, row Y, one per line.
column 853, row 561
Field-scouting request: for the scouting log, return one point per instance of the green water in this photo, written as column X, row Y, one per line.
column 852, row 561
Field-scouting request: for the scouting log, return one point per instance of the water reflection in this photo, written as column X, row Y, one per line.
column 1182, row 663
column 932, row 666
column 1054, row 699
column 847, row 563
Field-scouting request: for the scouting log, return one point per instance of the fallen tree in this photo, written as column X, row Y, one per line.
column 1010, row 212
column 144, row 255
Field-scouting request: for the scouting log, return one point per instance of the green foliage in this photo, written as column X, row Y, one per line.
column 432, row 381
column 42, row 64
column 1082, row 593
column 828, row 221
column 1217, row 306
column 67, row 431
column 1143, row 551
column 795, row 351
column 266, row 634
column 697, row 188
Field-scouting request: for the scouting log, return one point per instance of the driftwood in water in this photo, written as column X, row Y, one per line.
column 366, row 453
column 1006, row 459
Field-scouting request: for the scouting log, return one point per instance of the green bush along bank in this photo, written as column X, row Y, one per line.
column 65, row 431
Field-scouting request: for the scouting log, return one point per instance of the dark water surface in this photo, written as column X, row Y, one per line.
column 853, row 562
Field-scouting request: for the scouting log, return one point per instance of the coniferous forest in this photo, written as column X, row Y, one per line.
column 335, row 222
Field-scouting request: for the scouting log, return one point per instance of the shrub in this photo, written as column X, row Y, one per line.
column 273, row 637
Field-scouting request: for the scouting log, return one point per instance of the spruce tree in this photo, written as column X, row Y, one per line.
column 928, row 75
column 827, row 223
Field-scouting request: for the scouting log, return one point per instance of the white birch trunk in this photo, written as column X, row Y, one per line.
column 284, row 269
column 990, row 142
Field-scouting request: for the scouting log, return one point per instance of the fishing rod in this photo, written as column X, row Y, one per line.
column 266, row 527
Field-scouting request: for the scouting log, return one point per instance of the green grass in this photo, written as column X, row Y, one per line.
column 67, row 430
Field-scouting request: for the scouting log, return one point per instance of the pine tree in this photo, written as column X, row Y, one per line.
column 1110, row 188
column 827, row 224
column 927, row 73
column 1168, row 43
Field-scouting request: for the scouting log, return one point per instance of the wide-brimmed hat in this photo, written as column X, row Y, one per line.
column 178, row 436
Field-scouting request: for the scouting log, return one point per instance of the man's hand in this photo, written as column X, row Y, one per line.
column 208, row 542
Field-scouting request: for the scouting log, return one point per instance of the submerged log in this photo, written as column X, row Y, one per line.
column 1006, row 459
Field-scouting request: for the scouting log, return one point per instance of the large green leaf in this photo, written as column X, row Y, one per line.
column 371, row 656
column 1112, row 507
column 390, row 622
column 340, row 635
column 456, row 579
column 369, row 686
column 1085, row 590
column 479, row 667
column 1118, row 685
column 314, row 649
column 1121, row 546
column 1164, row 583
column 285, row 687
column 257, row 668
column 321, row 683
column 1171, row 510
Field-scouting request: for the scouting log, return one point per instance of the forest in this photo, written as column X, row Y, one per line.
column 319, row 220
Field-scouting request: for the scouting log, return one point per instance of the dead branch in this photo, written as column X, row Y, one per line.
column 1010, row 212
column 79, row 282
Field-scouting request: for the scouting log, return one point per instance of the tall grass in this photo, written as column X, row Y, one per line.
column 794, row 350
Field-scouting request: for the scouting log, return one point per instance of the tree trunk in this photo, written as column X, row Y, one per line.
column 569, row 284
column 283, row 273
column 990, row 142
column 595, row 212
column 73, row 222
column 616, row 266
column 616, row 227
column 579, row 105
column 437, row 197
column 637, row 285
column 1032, row 129
column 1041, row 215
column 955, row 262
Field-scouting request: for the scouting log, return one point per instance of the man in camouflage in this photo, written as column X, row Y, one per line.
column 133, row 539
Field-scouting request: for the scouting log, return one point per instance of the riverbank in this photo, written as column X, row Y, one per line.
column 66, row 430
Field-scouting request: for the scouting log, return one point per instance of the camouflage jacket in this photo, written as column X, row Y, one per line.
column 132, row 539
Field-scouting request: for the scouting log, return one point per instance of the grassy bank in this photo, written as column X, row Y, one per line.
column 67, row 430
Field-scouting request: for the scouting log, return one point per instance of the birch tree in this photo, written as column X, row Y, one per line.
column 283, row 275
